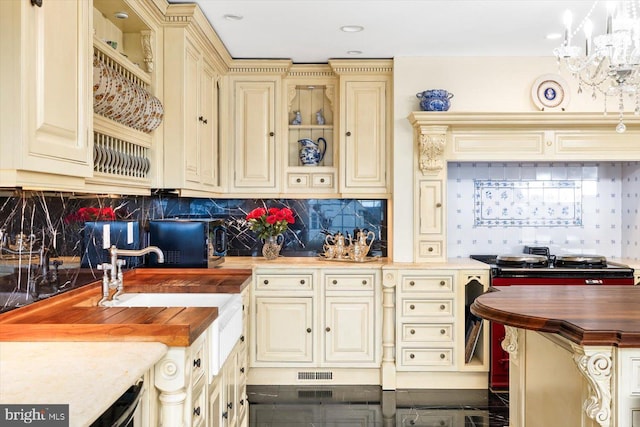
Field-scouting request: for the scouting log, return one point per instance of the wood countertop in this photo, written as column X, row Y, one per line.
column 75, row 315
column 585, row 315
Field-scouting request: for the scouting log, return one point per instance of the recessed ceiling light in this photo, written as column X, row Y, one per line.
column 232, row 17
column 354, row 52
column 121, row 15
column 553, row 36
column 352, row 28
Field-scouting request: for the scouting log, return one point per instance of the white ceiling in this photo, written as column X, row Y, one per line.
column 308, row 31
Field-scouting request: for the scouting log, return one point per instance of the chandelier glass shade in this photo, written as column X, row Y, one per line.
column 607, row 63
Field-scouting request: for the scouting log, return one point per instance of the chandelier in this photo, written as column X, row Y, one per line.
column 607, row 63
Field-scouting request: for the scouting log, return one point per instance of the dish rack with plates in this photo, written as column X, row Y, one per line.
column 125, row 115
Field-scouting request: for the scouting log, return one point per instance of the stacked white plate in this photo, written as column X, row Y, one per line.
column 124, row 101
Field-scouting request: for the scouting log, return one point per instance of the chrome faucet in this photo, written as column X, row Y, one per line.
column 112, row 278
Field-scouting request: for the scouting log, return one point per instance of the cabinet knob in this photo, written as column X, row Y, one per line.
column 412, row 307
column 442, row 307
column 364, row 282
column 442, row 283
column 442, row 356
column 438, row 205
column 36, row 3
column 412, row 356
column 225, row 414
column 271, row 133
column 230, row 405
column 202, row 119
column 197, row 362
column 266, row 282
column 328, row 329
column 309, row 330
column 302, row 282
column 412, row 283
column 196, row 411
column 322, row 180
column 430, row 249
column 241, row 402
column 298, row 180
column 242, row 370
column 242, row 338
column 348, row 133
column 412, row 331
column 442, row 332
column 335, row 282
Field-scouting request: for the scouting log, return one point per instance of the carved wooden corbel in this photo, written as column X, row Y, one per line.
column 431, row 144
column 510, row 342
column 596, row 365
column 147, row 51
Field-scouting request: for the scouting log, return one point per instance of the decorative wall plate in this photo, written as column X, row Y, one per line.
column 550, row 92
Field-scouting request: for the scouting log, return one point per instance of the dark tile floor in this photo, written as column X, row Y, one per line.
column 369, row 406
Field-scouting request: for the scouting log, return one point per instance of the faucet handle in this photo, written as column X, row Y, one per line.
column 104, row 266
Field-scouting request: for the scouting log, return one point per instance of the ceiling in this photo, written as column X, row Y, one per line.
column 308, row 31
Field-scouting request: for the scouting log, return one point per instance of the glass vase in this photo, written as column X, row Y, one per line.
column 271, row 246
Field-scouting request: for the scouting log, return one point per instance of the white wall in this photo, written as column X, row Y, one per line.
column 479, row 84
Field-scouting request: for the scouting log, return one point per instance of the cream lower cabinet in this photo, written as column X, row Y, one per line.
column 310, row 321
column 45, row 83
column 192, row 83
column 228, row 392
column 433, row 326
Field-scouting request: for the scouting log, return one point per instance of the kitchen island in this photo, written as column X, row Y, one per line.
column 574, row 353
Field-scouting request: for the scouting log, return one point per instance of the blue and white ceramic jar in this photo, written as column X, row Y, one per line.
column 434, row 100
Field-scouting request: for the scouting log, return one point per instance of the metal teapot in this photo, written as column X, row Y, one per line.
column 362, row 244
column 339, row 244
column 311, row 152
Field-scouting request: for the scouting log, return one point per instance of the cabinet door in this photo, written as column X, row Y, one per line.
column 365, row 136
column 45, row 86
column 208, row 119
column 254, row 135
column 284, row 329
column 430, row 221
column 191, row 126
column 349, row 329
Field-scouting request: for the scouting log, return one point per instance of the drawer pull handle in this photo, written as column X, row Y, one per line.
column 442, row 332
column 335, row 282
column 442, row 283
column 412, row 283
column 442, row 307
column 309, row 330
column 266, row 282
column 412, row 331
column 412, row 307
column 364, row 282
column 242, row 370
column 328, row 329
column 230, row 405
column 197, row 362
column 412, row 356
column 302, row 282
column 241, row 402
column 442, row 356
column 196, row 411
column 242, row 338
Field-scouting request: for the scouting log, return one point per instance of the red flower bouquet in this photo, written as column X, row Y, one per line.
column 91, row 214
column 270, row 222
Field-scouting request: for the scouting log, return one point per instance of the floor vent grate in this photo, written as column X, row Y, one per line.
column 315, row 375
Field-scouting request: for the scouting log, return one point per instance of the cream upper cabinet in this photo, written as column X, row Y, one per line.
column 192, row 153
column 365, row 126
column 45, row 72
column 256, row 127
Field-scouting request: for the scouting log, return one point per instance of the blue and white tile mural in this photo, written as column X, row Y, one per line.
column 574, row 207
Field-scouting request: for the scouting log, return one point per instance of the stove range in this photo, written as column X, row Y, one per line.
column 536, row 266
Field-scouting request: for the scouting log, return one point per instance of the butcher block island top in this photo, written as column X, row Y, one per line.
column 585, row 315
column 76, row 316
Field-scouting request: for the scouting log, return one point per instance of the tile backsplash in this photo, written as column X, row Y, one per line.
column 589, row 208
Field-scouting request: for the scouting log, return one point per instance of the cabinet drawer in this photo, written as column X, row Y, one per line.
column 427, row 284
column 339, row 282
column 298, row 180
column 199, row 407
column 198, row 359
column 426, row 307
column 303, row 282
column 322, row 180
column 430, row 248
column 442, row 357
column 416, row 332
